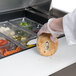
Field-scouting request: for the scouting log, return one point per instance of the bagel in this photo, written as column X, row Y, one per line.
column 45, row 45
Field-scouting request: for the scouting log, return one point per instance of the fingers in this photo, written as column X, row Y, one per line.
column 42, row 30
column 53, row 27
column 53, row 38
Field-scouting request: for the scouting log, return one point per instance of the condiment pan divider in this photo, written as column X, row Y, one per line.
column 15, row 42
column 29, row 26
column 10, row 25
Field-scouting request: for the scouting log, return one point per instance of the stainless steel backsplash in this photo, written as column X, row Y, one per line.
column 6, row 5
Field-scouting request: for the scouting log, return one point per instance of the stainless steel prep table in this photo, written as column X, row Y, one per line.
column 30, row 62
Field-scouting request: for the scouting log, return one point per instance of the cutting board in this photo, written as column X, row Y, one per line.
column 31, row 63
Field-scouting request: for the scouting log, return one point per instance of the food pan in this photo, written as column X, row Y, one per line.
column 7, row 46
column 13, row 32
column 26, row 23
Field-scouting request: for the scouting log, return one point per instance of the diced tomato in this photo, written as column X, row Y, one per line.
column 3, row 42
column 36, row 31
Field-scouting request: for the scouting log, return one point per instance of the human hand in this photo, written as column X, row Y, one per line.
column 53, row 27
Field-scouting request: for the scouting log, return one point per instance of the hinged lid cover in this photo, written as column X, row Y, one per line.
column 7, row 5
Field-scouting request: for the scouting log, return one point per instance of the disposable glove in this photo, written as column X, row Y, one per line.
column 53, row 27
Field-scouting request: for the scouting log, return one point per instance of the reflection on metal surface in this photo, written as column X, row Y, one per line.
column 43, row 7
column 6, row 5
column 56, row 13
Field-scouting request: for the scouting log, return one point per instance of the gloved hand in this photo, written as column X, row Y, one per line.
column 53, row 27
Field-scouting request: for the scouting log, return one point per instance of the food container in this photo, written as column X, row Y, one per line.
column 7, row 46
column 19, row 23
column 26, row 23
column 13, row 32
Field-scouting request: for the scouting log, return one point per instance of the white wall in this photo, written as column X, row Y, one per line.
column 65, row 5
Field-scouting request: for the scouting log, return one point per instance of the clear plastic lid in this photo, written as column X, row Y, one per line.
column 7, row 46
column 26, row 23
column 13, row 32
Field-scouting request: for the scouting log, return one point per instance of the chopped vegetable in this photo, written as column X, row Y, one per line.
column 2, row 50
column 5, row 52
column 20, row 32
column 16, row 37
column 12, row 51
column 29, row 28
column 19, row 38
column 29, row 46
column 23, row 24
column 3, row 42
column 36, row 31
column 27, row 25
column 7, row 31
